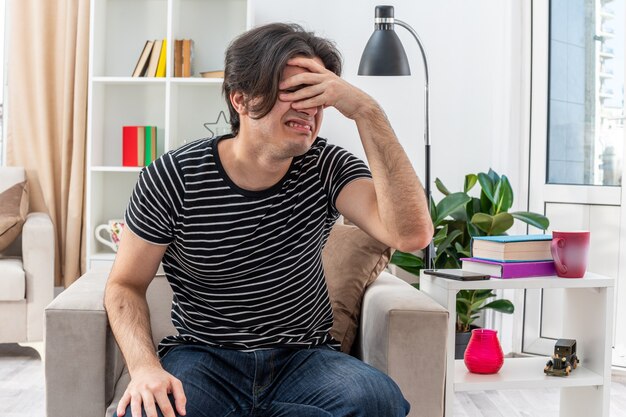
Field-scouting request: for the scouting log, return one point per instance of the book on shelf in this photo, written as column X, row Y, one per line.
column 183, row 57
column 187, row 57
column 150, row 147
column 141, row 145
column 178, row 58
column 129, row 146
column 212, row 74
column 142, row 62
column 512, row 248
column 154, row 58
column 509, row 269
column 160, row 71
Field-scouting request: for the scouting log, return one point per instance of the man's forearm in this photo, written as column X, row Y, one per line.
column 400, row 196
column 129, row 318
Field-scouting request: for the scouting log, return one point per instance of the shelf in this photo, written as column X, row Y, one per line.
column 605, row 35
column 155, row 80
column 115, row 169
column 590, row 280
column 196, row 80
column 119, row 30
column 521, row 373
column 129, row 80
column 589, row 313
column 191, row 19
column 124, row 102
column 178, row 106
column 607, row 55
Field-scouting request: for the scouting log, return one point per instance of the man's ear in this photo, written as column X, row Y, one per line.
column 238, row 100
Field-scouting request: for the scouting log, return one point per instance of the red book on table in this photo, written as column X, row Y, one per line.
column 129, row 146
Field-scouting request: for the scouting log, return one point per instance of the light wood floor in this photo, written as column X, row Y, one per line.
column 21, row 382
column 22, row 393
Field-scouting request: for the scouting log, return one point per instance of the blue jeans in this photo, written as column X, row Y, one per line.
column 318, row 382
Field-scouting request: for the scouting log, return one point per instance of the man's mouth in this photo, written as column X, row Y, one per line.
column 302, row 127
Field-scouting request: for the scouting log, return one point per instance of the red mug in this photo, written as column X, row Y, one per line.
column 569, row 250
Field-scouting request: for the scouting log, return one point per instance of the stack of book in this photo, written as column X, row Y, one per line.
column 138, row 145
column 511, row 256
column 151, row 62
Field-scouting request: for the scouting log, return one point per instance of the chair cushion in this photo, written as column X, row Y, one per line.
column 13, row 212
column 12, row 280
column 352, row 260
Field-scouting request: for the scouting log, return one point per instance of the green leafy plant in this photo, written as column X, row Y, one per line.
column 459, row 217
column 470, row 302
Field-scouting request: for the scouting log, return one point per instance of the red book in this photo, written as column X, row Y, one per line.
column 129, row 146
column 509, row 269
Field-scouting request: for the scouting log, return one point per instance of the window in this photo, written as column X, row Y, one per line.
column 586, row 94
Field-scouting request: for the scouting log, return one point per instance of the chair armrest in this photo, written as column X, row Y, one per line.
column 403, row 333
column 38, row 260
column 82, row 361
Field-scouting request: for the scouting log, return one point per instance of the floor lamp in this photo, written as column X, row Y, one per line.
column 384, row 55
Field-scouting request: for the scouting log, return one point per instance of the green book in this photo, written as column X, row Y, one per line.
column 150, row 148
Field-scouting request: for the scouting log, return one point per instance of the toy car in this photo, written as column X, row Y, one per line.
column 564, row 358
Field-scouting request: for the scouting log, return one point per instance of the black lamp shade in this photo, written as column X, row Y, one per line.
column 384, row 55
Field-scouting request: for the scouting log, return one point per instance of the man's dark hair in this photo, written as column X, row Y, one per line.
column 255, row 61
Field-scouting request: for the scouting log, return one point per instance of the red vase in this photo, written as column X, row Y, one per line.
column 484, row 353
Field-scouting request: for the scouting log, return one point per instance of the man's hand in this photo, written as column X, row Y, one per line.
column 150, row 386
column 392, row 208
column 321, row 87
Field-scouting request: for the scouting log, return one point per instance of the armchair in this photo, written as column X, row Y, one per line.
column 26, row 274
column 402, row 332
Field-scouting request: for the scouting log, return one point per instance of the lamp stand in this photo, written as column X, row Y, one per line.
column 429, row 251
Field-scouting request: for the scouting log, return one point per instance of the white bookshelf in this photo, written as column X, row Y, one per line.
column 177, row 106
column 588, row 313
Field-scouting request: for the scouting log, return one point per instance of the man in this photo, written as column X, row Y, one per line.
column 240, row 222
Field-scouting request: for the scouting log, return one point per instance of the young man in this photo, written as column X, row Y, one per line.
column 239, row 223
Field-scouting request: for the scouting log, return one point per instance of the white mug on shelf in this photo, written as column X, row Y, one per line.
column 114, row 230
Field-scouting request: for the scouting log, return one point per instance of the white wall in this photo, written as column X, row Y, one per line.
column 474, row 52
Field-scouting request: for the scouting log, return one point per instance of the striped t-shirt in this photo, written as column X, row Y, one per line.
column 245, row 266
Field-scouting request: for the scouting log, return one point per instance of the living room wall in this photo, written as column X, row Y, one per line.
column 475, row 52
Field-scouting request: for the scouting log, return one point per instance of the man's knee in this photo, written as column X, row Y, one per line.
column 355, row 388
column 376, row 395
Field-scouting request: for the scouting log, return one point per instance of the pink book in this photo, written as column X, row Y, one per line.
column 509, row 269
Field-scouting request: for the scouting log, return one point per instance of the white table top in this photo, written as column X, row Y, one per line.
column 590, row 280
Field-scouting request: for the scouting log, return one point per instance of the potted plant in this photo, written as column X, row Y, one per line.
column 457, row 218
column 468, row 304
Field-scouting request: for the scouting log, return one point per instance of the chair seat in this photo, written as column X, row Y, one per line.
column 12, row 280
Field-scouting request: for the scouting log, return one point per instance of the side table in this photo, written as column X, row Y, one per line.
column 588, row 312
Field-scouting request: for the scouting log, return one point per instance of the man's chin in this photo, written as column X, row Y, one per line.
column 299, row 148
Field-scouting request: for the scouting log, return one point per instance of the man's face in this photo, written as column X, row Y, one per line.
column 286, row 132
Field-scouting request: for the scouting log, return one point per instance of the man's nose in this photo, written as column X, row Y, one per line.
column 311, row 111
